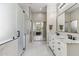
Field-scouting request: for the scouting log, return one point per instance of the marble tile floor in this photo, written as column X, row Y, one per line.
column 38, row 48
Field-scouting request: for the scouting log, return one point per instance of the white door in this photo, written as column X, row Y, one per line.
column 20, row 29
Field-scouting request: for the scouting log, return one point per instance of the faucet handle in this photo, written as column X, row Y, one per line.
column 74, row 38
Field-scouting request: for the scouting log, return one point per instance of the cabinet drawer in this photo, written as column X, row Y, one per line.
column 60, row 48
column 62, row 51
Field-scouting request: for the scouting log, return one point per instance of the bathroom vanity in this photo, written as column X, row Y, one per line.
column 61, row 45
column 65, row 42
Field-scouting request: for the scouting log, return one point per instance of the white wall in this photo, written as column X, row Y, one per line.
column 39, row 17
column 7, row 21
column 61, row 21
column 8, row 29
column 51, row 18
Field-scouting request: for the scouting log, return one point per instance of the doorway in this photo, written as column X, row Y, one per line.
column 38, row 32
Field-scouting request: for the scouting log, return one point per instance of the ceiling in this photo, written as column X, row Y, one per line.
column 35, row 7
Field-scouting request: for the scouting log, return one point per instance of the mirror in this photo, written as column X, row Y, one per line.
column 72, row 19
column 74, row 26
column 68, row 21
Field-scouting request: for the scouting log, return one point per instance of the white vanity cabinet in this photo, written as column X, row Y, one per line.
column 59, row 48
column 51, row 41
column 61, row 45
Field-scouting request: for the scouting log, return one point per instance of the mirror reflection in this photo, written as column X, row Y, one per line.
column 71, row 19
column 68, row 21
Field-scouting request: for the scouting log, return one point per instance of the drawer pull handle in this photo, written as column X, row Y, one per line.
column 58, row 42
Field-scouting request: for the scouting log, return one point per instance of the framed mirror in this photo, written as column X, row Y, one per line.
column 72, row 19
column 74, row 26
column 69, row 20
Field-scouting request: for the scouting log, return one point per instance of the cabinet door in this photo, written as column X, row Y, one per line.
column 52, row 43
column 56, row 47
column 61, row 49
column 50, row 40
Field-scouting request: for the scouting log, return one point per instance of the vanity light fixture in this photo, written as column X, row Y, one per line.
column 61, row 27
column 50, row 27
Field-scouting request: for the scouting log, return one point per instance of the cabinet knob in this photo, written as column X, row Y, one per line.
column 59, row 49
column 74, row 38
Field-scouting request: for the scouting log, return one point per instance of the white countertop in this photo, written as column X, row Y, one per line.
column 64, row 39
